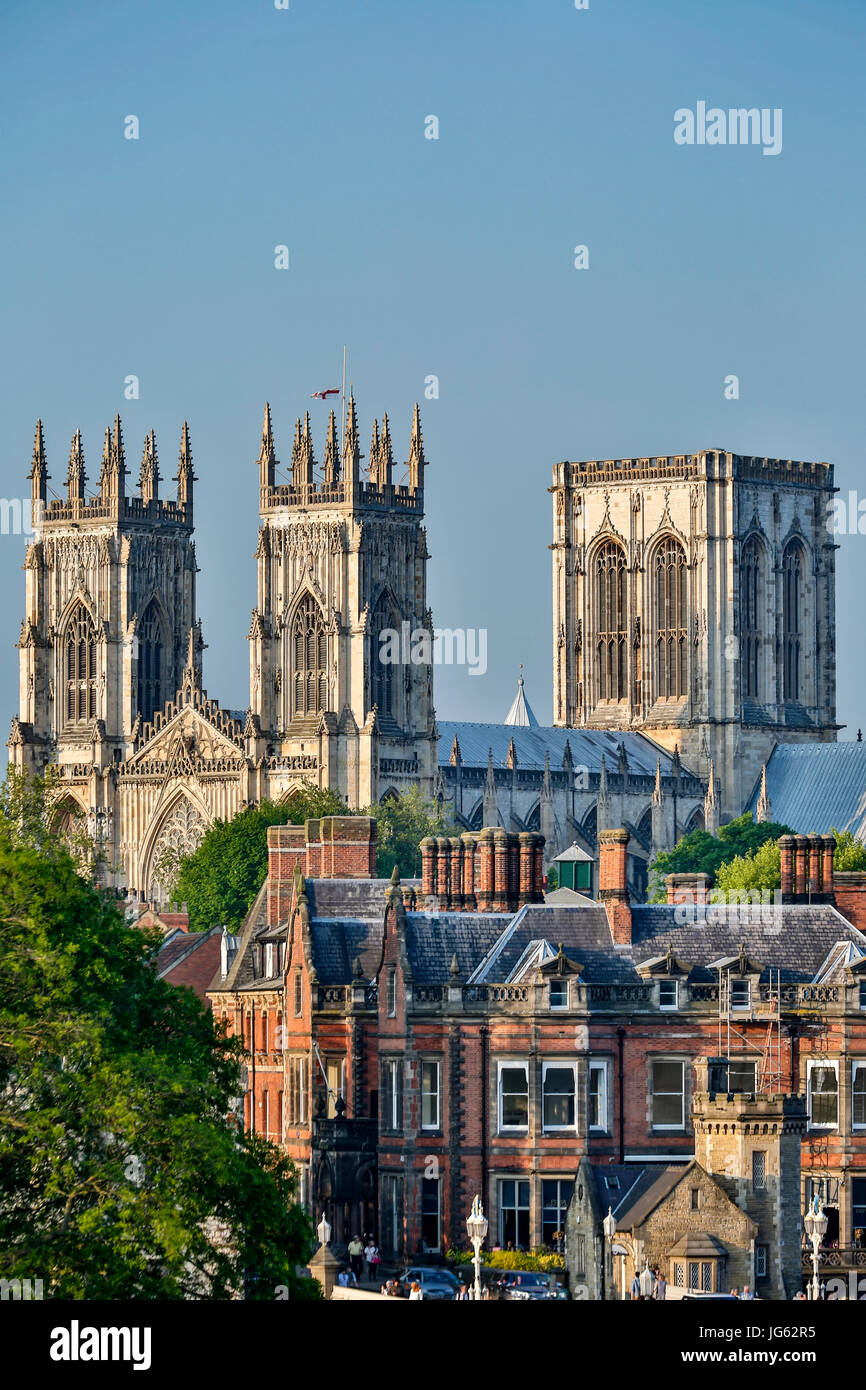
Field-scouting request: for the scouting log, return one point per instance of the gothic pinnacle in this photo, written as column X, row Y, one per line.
column 657, row 789
column 267, row 457
column 149, row 479
column 117, row 455
column 332, row 453
column 76, row 476
column 417, row 460
column 38, row 474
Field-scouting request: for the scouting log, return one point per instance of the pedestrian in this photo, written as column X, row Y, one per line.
column 371, row 1256
column 462, row 1294
column 660, row 1287
column 734, row 1293
column 343, row 1278
column 415, row 1292
column 356, row 1256
column 747, row 1292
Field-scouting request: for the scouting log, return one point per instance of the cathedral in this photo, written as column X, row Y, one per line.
column 110, row 646
column 693, row 616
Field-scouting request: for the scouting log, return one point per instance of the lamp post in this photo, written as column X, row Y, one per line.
column 608, row 1225
column 476, row 1225
column 647, row 1280
column 815, row 1224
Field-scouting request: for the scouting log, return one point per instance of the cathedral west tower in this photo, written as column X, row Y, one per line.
column 342, row 559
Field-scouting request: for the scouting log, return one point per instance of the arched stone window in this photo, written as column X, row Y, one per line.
column 151, row 664
column 793, row 567
column 750, row 619
column 611, row 622
column 309, row 659
column 79, row 662
column 383, row 674
column 670, row 596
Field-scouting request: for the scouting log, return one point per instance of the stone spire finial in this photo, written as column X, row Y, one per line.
column 490, row 805
column 602, row 813
column 351, row 445
column 76, row 476
column 622, row 760
column 113, row 478
column 332, row 453
column 267, row 456
column 568, row 757
column 417, row 461
column 386, row 457
column 185, row 476
column 306, row 458
column 149, row 479
column 764, row 810
column 711, row 810
column 511, row 759
column 456, row 755
column 39, row 474
column 374, row 454
column 658, row 794
column 106, row 462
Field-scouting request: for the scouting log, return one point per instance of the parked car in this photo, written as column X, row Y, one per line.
column 436, row 1283
column 520, row 1285
column 695, row 1295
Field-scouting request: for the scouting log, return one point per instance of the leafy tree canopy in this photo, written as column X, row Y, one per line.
column 219, row 881
column 703, row 853
column 121, row 1175
column 758, row 870
column 849, row 854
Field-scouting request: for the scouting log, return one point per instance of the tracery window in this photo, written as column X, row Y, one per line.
column 150, row 664
column 750, row 623
column 80, row 667
column 310, row 659
column 611, row 622
column 671, row 620
column 792, row 617
column 382, row 672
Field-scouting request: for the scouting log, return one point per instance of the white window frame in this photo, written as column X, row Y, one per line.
column 856, row 1124
column 602, row 1068
column 830, row 1064
column 394, row 1123
column 560, row 1008
column 516, row 1064
column 744, row 1062
column 269, row 960
column 432, row 1062
column 670, row 1008
column 563, row 1065
column 743, row 984
column 668, row 1061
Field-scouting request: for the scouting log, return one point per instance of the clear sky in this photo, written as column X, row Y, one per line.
column 452, row 257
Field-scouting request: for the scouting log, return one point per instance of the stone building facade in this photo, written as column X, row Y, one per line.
column 693, row 599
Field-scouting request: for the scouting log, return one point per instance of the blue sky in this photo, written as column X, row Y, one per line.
column 451, row 257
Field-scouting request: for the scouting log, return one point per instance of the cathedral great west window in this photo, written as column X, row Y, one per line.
column 611, row 619
column 671, row 620
column 381, row 671
column 310, row 659
column 80, row 667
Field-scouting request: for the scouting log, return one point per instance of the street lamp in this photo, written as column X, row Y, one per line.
column 476, row 1225
column 815, row 1223
column 608, row 1225
column 323, row 1230
column 647, row 1280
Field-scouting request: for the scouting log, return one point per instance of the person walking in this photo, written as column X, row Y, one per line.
column 660, row 1289
column 371, row 1257
column 635, row 1287
column 356, row 1256
column 462, row 1294
column 416, row 1293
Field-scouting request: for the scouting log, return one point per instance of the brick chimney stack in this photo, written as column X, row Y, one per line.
column 806, row 865
column 687, row 888
column 489, row 870
column 613, row 883
column 330, row 847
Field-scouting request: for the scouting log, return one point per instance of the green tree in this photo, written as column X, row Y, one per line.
column 850, row 853
column 752, row 872
column 701, row 852
column 121, row 1174
column 219, row 881
column 403, row 822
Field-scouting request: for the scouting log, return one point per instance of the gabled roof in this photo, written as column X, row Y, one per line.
column 816, row 786
column 532, row 743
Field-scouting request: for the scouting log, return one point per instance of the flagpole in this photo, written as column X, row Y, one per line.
column 343, row 406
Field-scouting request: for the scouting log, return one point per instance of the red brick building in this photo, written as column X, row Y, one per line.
column 408, row 1056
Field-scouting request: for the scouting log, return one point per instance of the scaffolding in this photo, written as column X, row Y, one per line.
column 768, row 1056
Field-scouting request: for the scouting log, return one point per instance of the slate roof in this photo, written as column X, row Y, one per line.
column 347, row 917
column 531, row 744
column 816, row 786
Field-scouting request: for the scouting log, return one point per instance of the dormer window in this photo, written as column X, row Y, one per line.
column 741, row 994
column 669, row 991
column 559, row 994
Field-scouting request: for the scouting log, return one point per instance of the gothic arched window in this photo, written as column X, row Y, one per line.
column 310, row 659
column 671, row 620
column 792, row 618
column 750, row 621
column 79, row 661
column 382, row 673
column 151, row 669
column 610, row 621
